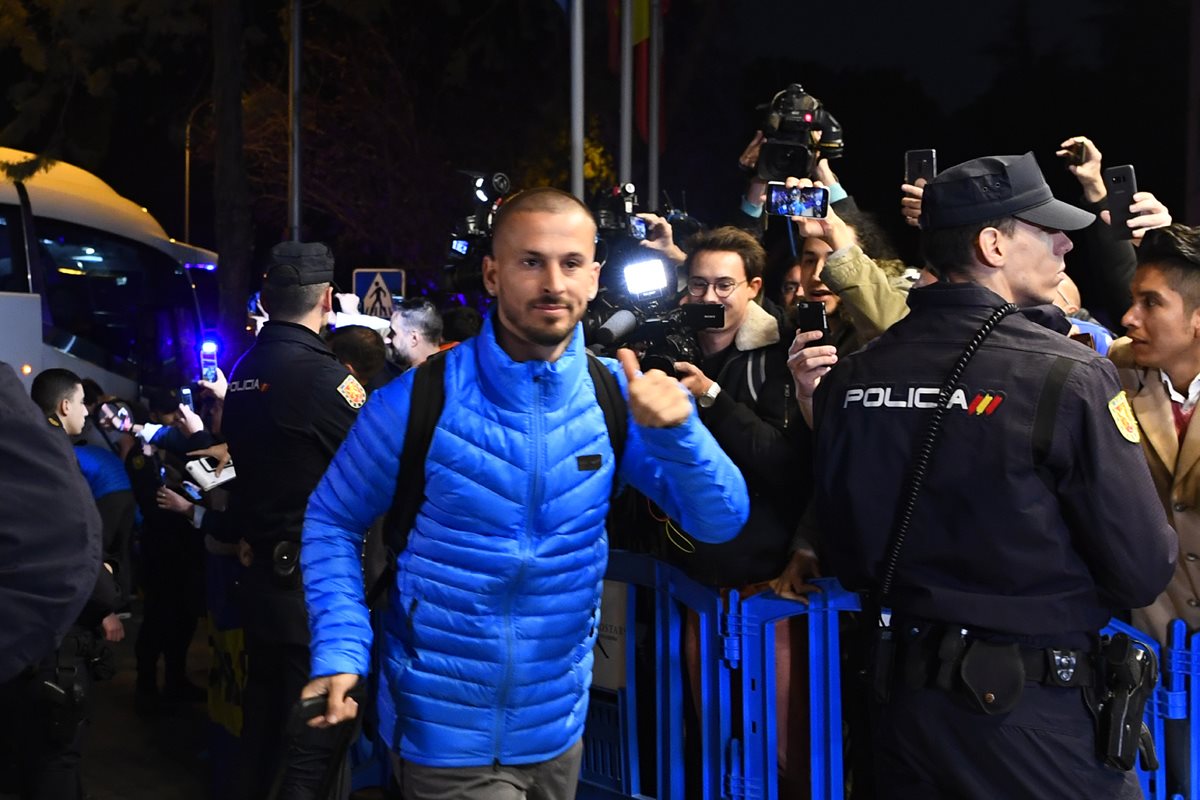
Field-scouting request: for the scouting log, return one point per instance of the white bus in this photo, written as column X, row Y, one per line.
column 91, row 282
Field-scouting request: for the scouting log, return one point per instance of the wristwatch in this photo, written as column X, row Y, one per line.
column 710, row 395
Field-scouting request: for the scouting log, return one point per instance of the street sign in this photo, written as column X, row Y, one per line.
column 375, row 288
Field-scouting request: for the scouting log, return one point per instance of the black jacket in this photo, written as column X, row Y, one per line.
column 756, row 421
column 289, row 406
column 1032, row 541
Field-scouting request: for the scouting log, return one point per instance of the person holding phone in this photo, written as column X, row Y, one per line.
column 1006, row 529
column 743, row 391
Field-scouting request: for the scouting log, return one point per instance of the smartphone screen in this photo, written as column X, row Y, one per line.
column 1121, row 184
column 185, row 397
column 811, row 317
column 920, row 164
column 208, row 362
column 797, row 201
column 637, row 228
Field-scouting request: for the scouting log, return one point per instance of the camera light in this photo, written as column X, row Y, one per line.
column 808, row 117
column 643, row 277
column 460, row 246
column 482, row 195
column 209, row 348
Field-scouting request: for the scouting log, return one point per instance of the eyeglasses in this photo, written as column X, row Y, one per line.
column 698, row 287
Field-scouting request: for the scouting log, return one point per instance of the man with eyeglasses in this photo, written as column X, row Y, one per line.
column 744, row 391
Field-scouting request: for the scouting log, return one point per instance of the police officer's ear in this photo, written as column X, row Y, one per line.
column 327, row 300
column 991, row 247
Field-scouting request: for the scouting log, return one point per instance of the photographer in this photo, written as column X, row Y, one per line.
column 744, row 393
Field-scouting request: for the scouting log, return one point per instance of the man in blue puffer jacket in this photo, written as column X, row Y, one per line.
column 491, row 623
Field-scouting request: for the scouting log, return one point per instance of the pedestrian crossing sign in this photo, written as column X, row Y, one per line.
column 375, row 288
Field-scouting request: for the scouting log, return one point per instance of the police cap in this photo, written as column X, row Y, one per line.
column 994, row 187
column 300, row 264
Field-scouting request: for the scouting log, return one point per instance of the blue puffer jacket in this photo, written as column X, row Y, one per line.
column 490, row 628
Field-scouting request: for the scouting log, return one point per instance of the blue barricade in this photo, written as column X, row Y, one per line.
column 737, row 746
column 736, row 642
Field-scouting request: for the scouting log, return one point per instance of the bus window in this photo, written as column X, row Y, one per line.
column 118, row 303
column 12, row 278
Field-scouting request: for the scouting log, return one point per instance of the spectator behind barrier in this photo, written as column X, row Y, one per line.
column 416, row 332
column 364, row 353
column 743, row 390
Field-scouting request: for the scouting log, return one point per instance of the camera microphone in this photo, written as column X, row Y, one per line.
column 622, row 323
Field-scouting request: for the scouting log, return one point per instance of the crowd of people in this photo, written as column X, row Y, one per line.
column 991, row 446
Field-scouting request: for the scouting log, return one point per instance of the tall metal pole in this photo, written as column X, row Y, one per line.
column 294, row 220
column 577, row 98
column 625, row 157
column 187, row 177
column 654, row 100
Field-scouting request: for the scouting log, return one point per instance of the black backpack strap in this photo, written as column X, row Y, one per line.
column 425, row 407
column 612, row 403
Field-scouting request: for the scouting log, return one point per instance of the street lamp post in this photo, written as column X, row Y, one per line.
column 187, row 171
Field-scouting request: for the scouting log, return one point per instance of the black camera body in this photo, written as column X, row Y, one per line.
column 798, row 131
column 471, row 238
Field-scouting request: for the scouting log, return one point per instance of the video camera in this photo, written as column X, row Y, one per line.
column 471, row 238
column 638, row 303
column 798, row 132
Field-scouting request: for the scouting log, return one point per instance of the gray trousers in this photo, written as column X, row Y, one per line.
column 555, row 779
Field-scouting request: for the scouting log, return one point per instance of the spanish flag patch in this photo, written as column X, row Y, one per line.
column 353, row 392
column 1122, row 414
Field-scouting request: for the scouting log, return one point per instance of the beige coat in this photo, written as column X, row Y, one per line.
column 1176, row 473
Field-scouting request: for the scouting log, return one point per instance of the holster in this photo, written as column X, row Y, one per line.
column 1130, row 674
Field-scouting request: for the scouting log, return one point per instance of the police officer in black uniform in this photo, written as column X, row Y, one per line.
column 289, row 405
column 1034, row 517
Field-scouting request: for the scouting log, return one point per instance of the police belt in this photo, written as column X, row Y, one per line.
column 928, row 654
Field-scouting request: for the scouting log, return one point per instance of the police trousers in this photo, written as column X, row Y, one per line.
column 930, row 744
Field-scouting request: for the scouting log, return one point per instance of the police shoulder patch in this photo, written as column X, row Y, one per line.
column 1122, row 414
column 352, row 392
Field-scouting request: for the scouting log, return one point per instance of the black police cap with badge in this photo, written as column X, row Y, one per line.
column 995, row 187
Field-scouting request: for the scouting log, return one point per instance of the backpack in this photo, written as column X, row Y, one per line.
column 425, row 408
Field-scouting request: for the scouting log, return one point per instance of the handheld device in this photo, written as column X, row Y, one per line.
column 1121, row 184
column 204, row 472
column 1076, row 153
column 637, row 228
column 797, row 201
column 811, row 317
column 920, row 164
column 208, row 361
column 185, row 397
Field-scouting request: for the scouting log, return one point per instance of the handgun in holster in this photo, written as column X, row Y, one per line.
column 1130, row 673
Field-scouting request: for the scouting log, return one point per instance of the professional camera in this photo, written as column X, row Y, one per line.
column 798, row 132
column 471, row 239
column 638, row 303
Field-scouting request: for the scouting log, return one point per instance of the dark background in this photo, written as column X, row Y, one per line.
column 397, row 96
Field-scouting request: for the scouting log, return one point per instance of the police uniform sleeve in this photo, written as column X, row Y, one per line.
column 50, row 531
column 355, row 490
column 1106, row 491
column 337, row 399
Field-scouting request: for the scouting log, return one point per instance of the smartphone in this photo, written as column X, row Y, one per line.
column 1076, row 153
column 920, row 164
column 208, row 361
column 185, row 397
column 811, row 317
column 1121, row 185
column 798, row 201
column 637, row 228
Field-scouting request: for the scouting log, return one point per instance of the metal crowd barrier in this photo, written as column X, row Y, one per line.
column 737, row 643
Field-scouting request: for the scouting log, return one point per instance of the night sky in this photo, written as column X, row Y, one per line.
column 968, row 79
